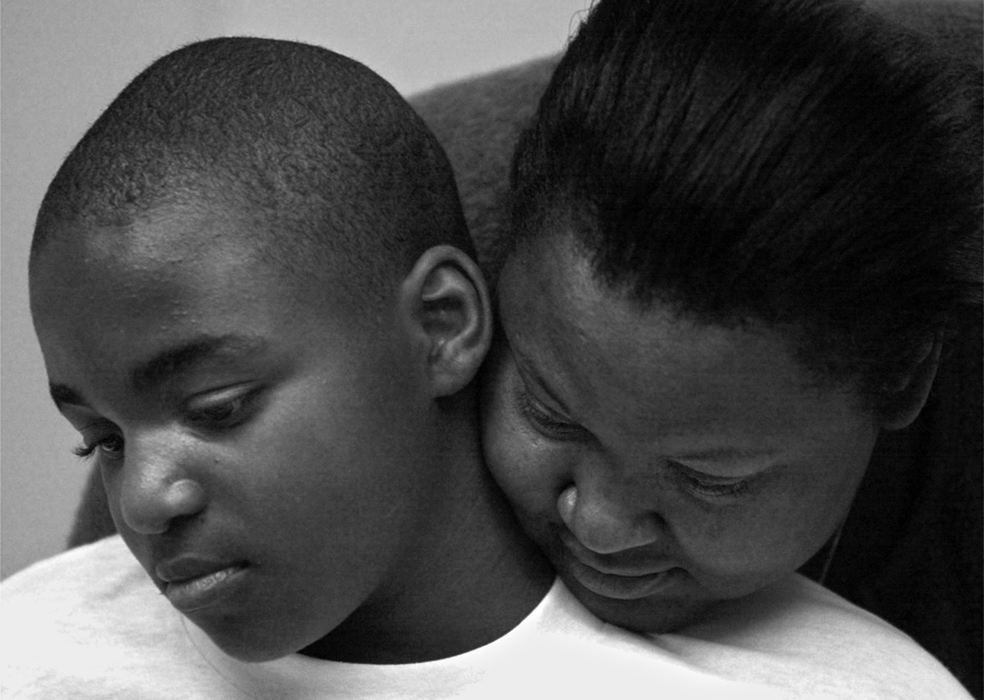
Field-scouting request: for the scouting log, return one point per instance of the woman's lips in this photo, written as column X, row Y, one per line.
column 629, row 578
column 621, row 587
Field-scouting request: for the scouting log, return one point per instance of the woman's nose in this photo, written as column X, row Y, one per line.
column 155, row 489
column 602, row 523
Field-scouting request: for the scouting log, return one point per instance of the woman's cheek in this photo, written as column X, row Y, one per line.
column 499, row 437
column 523, row 464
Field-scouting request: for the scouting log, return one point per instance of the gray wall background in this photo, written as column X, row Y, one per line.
column 63, row 61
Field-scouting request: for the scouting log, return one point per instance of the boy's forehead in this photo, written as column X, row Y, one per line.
column 171, row 253
column 158, row 280
column 171, row 235
column 159, row 251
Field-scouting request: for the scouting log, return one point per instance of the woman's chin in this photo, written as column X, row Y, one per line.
column 657, row 613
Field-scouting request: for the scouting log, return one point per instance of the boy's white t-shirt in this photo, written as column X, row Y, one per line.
column 799, row 635
column 89, row 623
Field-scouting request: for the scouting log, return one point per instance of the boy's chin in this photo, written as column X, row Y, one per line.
column 246, row 638
column 249, row 647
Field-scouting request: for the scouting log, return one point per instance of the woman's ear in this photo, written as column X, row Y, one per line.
column 902, row 403
column 445, row 299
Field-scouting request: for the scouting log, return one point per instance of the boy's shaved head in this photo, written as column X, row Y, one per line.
column 251, row 286
column 328, row 167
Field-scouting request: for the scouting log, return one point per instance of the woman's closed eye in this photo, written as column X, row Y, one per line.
column 706, row 485
column 545, row 421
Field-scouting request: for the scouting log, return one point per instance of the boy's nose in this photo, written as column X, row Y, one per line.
column 603, row 524
column 155, row 490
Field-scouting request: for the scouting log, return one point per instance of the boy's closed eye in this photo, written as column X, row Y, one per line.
column 223, row 408
column 110, row 446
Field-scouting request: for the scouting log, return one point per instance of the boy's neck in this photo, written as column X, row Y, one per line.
column 477, row 579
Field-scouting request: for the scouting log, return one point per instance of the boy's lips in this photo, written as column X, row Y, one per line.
column 192, row 583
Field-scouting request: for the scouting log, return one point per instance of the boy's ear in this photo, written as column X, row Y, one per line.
column 903, row 402
column 445, row 299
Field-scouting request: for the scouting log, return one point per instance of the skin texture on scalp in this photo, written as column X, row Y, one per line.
column 325, row 163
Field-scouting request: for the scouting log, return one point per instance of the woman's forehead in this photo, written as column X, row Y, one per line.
column 649, row 369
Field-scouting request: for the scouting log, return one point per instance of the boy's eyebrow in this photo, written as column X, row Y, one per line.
column 62, row 394
column 167, row 363
column 171, row 361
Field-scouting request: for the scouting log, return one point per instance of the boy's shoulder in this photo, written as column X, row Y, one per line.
column 558, row 650
column 66, row 590
column 564, row 650
column 799, row 635
column 88, row 623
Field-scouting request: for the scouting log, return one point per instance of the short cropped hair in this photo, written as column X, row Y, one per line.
column 798, row 163
column 336, row 171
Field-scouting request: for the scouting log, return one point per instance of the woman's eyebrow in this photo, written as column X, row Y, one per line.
column 525, row 367
column 727, row 454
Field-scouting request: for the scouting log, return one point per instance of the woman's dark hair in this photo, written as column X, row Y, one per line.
column 797, row 163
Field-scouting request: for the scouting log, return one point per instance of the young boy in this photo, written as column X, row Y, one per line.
column 249, row 286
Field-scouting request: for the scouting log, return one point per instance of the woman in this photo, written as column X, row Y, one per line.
column 739, row 236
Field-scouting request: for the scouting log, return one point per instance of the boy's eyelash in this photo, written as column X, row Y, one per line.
column 227, row 411
column 84, row 451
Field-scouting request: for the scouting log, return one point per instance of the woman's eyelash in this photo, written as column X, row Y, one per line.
column 699, row 484
column 544, row 421
column 735, row 488
column 532, row 410
column 705, row 485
